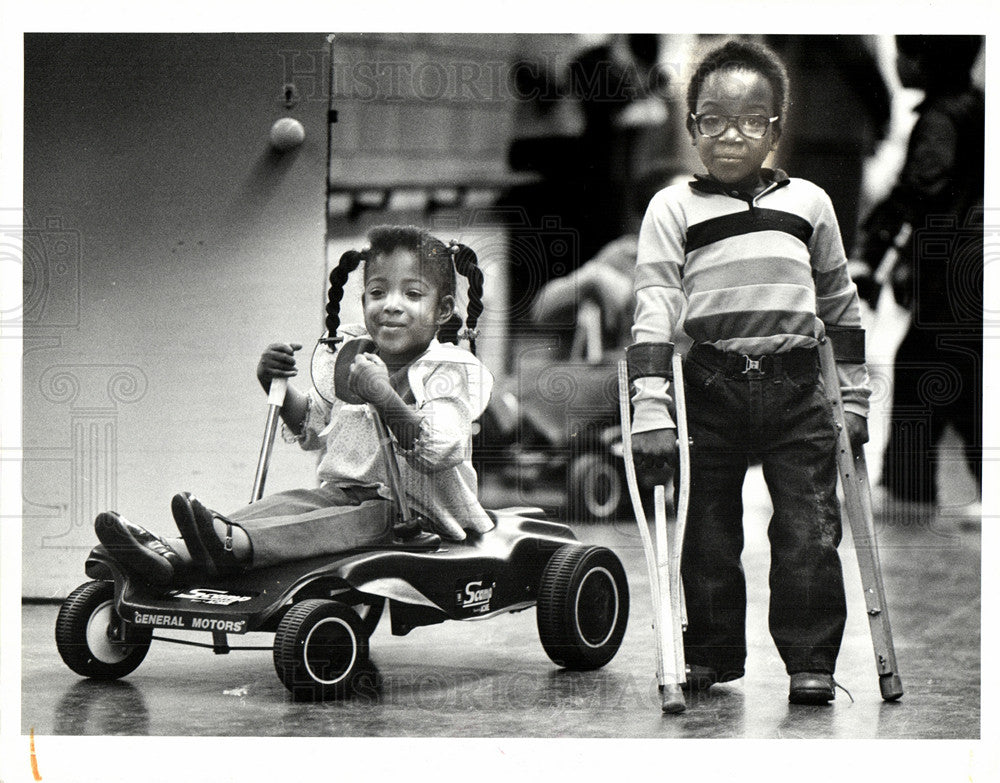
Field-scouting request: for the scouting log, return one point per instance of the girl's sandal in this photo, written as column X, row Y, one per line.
column 220, row 551
column 184, row 516
column 141, row 552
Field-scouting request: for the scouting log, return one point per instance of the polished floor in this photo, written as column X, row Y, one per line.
column 492, row 678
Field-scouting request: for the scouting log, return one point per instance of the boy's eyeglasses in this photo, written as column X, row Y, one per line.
column 753, row 126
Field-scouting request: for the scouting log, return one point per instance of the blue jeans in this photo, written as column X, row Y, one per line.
column 303, row 523
column 783, row 419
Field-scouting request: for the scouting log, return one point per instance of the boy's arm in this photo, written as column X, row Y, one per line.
column 657, row 309
column 659, row 305
column 837, row 305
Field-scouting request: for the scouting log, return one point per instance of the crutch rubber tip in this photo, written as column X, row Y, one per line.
column 672, row 699
column 891, row 686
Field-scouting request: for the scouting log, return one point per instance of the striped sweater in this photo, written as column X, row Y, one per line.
column 742, row 274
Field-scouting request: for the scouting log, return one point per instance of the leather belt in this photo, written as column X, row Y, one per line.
column 749, row 367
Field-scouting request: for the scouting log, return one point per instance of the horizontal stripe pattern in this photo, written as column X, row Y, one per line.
column 667, row 275
column 749, row 324
column 786, row 298
column 837, row 279
column 755, row 276
column 766, row 259
column 747, row 222
column 744, row 277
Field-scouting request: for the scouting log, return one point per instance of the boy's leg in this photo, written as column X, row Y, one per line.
column 808, row 608
column 714, row 583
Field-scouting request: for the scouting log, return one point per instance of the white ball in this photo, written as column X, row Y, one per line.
column 287, row 133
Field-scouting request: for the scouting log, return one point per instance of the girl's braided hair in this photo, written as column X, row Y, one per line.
column 438, row 261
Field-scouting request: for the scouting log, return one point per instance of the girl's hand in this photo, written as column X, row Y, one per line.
column 277, row 361
column 369, row 379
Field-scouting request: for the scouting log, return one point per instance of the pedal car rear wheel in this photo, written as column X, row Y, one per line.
column 86, row 631
column 320, row 649
column 582, row 606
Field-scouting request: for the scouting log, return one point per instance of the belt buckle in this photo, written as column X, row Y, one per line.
column 753, row 365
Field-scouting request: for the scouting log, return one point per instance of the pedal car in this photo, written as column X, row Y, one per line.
column 323, row 612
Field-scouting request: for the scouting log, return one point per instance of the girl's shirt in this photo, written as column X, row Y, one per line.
column 451, row 388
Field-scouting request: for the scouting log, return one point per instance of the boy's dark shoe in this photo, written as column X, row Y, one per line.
column 810, row 688
column 141, row 552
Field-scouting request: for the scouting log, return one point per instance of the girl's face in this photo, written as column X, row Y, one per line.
column 732, row 157
column 403, row 308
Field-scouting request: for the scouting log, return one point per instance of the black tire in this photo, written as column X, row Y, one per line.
column 595, row 488
column 83, row 634
column 320, row 650
column 582, row 606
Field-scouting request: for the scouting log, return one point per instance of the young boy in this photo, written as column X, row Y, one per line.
column 742, row 262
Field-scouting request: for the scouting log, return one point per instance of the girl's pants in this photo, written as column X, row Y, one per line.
column 303, row 523
column 779, row 416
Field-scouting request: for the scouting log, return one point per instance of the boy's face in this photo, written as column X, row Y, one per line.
column 403, row 308
column 732, row 157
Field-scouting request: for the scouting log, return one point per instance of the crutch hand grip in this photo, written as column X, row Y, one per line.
column 276, row 394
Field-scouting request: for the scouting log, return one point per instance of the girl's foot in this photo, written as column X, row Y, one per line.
column 141, row 552
column 227, row 544
column 184, row 517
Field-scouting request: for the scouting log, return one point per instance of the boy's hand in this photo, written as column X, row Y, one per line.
column 655, row 450
column 857, row 429
column 369, row 379
column 277, row 361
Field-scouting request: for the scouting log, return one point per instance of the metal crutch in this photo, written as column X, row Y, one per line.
column 858, row 502
column 664, row 583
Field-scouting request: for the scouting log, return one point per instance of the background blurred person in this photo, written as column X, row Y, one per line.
column 926, row 239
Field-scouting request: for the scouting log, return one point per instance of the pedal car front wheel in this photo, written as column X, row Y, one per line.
column 583, row 605
column 320, row 649
column 92, row 640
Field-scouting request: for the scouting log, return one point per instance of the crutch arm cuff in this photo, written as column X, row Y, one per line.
column 848, row 343
column 649, row 360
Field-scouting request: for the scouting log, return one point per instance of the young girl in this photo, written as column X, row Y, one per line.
column 742, row 261
column 427, row 393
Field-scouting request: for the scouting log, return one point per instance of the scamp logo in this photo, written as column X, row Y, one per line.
column 475, row 595
column 205, row 595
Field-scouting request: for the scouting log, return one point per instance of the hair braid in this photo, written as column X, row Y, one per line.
column 349, row 261
column 467, row 265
